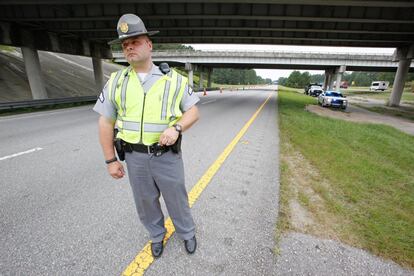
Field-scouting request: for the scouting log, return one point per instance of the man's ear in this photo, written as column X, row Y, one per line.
column 149, row 43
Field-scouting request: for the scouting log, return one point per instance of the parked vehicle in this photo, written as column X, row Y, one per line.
column 315, row 90
column 307, row 87
column 344, row 84
column 333, row 98
column 379, row 86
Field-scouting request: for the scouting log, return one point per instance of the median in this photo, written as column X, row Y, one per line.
column 346, row 181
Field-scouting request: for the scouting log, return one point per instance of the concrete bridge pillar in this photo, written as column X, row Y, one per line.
column 189, row 68
column 331, row 81
column 339, row 72
column 209, row 71
column 98, row 73
column 404, row 57
column 201, row 84
column 326, row 81
column 34, row 74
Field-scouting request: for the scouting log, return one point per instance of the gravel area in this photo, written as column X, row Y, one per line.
column 361, row 115
column 302, row 254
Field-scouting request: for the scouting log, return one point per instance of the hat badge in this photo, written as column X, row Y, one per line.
column 123, row 27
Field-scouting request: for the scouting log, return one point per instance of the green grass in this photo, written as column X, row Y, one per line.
column 285, row 88
column 370, row 170
column 303, row 198
column 7, row 48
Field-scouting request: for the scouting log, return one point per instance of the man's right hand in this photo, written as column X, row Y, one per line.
column 116, row 170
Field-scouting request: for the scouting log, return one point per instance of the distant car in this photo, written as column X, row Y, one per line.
column 344, row 85
column 315, row 90
column 379, row 86
column 333, row 98
column 307, row 87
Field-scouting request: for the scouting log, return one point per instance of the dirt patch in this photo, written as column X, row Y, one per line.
column 301, row 218
column 360, row 115
column 306, row 209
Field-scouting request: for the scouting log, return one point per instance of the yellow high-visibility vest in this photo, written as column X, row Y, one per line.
column 141, row 118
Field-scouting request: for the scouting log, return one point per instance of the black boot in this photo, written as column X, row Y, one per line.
column 190, row 245
column 157, row 248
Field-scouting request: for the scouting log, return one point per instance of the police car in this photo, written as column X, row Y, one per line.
column 333, row 98
column 315, row 90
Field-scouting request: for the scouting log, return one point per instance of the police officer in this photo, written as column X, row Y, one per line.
column 150, row 108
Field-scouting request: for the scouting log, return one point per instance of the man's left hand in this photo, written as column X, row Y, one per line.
column 168, row 137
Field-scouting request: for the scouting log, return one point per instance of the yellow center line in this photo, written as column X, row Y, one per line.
column 144, row 258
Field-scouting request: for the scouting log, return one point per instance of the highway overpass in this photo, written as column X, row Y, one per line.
column 332, row 63
column 83, row 27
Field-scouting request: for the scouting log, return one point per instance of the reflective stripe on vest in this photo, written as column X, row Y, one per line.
column 165, row 97
column 177, row 91
column 159, row 108
column 114, row 85
column 133, row 126
column 123, row 93
column 155, row 127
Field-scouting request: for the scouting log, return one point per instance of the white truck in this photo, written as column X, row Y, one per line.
column 379, row 86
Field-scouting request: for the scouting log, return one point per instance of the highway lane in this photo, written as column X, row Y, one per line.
column 62, row 214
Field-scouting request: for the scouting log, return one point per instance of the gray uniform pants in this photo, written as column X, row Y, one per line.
column 149, row 175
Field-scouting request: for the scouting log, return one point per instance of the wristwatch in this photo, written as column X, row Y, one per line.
column 111, row 160
column 178, row 128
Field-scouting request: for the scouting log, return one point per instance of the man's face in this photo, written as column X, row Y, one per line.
column 137, row 50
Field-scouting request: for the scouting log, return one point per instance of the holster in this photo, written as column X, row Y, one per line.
column 119, row 145
column 176, row 148
column 120, row 151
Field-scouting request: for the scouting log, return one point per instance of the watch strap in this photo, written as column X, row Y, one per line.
column 178, row 128
column 111, row 160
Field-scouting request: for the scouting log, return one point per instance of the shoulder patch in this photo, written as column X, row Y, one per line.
column 101, row 97
column 189, row 90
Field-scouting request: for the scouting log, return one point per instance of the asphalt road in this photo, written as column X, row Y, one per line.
column 61, row 213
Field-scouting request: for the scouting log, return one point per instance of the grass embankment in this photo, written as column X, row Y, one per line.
column 347, row 181
column 285, row 88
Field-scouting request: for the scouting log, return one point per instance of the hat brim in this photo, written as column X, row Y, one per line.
column 119, row 40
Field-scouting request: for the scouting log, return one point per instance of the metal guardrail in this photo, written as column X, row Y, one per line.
column 45, row 102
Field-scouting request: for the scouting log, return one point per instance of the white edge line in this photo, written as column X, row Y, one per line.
column 20, row 153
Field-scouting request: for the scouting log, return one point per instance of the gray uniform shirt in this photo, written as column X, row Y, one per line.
column 107, row 109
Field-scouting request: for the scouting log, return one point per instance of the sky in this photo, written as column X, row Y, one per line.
column 275, row 74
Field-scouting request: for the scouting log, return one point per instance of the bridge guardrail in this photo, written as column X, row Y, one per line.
column 44, row 102
column 265, row 54
column 264, row 51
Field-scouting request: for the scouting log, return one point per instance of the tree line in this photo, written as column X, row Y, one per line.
column 298, row 80
column 237, row 76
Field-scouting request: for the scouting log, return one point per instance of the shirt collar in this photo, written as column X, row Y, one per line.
column 155, row 70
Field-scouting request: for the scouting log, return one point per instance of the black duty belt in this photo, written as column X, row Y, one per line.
column 155, row 148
